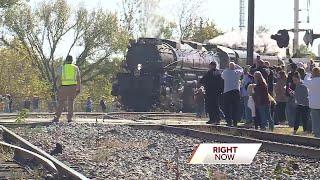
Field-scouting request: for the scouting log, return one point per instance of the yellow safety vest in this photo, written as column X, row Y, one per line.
column 69, row 75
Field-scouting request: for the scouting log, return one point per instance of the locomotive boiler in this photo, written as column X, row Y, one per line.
column 161, row 73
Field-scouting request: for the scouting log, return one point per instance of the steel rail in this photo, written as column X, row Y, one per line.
column 64, row 171
column 22, row 155
column 290, row 149
column 257, row 134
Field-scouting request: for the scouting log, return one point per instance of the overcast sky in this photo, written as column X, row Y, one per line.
column 274, row 14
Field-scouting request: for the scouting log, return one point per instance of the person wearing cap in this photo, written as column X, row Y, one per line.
column 69, row 84
column 213, row 84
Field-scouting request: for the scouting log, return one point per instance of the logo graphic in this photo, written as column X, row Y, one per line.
column 224, row 153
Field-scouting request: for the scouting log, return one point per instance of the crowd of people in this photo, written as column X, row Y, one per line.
column 6, row 103
column 33, row 104
column 262, row 95
column 89, row 104
column 103, row 105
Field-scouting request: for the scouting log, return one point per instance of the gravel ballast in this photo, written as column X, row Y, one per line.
column 121, row 152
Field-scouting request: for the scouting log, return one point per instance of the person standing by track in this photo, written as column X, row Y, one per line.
column 281, row 98
column 213, row 84
column 313, row 85
column 103, row 105
column 89, row 105
column 290, row 86
column 301, row 98
column 69, row 84
column 231, row 96
column 199, row 100
column 246, row 81
column 262, row 101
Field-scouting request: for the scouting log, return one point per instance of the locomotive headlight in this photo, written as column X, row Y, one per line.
column 139, row 67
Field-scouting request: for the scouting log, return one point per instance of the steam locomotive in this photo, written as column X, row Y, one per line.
column 162, row 73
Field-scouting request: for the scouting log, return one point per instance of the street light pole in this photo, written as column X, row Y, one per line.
column 296, row 27
column 250, row 33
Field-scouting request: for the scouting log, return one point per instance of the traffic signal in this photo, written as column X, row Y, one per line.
column 282, row 38
column 309, row 37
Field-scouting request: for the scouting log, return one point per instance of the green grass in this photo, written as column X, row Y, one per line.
column 289, row 130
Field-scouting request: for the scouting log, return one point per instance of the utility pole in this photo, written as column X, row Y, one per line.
column 241, row 14
column 250, row 33
column 296, row 26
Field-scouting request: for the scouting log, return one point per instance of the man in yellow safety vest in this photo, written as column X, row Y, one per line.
column 69, row 84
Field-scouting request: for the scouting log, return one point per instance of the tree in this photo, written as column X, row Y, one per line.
column 303, row 51
column 101, row 85
column 18, row 77
column 130, row 12
column 8, row 3
column 204, row 30
column 166, row 29
column 139, row 17
column 262, row 29
column 43, row 30
column 187, row 14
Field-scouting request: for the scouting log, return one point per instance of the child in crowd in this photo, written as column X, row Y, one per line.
column 199, row 100
column 251, row 104
column 246, row 81
column 301, row 99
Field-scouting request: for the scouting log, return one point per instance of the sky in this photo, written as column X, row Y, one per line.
column 274, row 14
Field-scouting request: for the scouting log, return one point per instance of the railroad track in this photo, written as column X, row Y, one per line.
column 288, row 144
column 20, row 159
column 136, row 116
column 17, row 163
column 11, row 170
column 285, row 148
column 46, row 114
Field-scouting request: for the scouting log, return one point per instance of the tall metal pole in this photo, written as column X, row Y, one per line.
column 241, row 14
column 296, row 27
column 250, row 34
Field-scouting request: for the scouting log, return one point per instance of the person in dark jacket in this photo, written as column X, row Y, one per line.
column 89, row 105
column 213, row 84
column 260, row 66
column 262, row 101
column 199, row 100
column 10, row 102
column 271, row 77
column 301, row 99
column 290, row 86
column 302, row 72
column 27, row 104
column 270, row 82
column 103, row 104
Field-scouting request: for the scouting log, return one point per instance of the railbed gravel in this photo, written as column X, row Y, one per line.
column 121, row 152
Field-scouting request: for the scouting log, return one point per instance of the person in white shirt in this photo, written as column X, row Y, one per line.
column 312, row 82
column 231, row 96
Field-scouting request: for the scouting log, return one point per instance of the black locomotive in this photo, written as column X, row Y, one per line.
column 161, row 73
